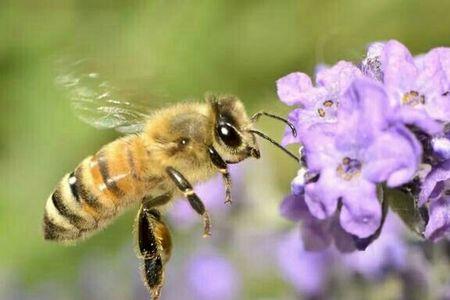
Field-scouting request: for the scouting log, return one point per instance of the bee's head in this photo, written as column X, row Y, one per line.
column 234, row 135
column 232, row 138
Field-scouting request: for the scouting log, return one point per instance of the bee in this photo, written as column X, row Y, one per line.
column 164, row 153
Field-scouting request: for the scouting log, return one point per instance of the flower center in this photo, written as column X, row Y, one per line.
column 413, row 98
column 349, row 168
column 321, row 111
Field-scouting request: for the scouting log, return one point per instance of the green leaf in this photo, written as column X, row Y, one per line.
column 406, row 208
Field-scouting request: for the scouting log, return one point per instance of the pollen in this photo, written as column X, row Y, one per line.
column 321, row 112
column 349, row 168
column 328, row 103
column 413, row 98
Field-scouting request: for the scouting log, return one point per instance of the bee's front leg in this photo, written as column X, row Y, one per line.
column 223, row 169
column 186, row 188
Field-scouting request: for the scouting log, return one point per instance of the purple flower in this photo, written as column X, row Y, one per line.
column 211, row 276
column 316, row 234
column 423, row 88
column 353, row 155
column 306, row 271
column 316, row 104
column 387, row 253
column 387, row 122
column 212, row 193
column 436, row 192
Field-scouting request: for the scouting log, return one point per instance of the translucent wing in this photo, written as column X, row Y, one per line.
column 97, row 102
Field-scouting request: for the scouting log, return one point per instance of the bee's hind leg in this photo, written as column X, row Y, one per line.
column 186, row 188
column 154, row 245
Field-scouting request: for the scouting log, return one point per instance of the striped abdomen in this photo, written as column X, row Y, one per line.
column 97, row 190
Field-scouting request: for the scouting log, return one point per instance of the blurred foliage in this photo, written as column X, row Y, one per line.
column 177, row 49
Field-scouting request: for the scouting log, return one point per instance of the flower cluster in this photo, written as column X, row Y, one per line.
column 365, row 129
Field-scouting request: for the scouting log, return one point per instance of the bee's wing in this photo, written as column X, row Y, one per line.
column 98, row 103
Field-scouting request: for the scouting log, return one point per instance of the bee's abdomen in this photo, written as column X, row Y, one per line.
column 96, row 191
column 65, row 216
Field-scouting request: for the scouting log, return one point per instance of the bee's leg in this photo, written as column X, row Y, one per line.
column 186, row 188
column 222, row 167
column 154, row 246
column 256, row 116
column 150, row 202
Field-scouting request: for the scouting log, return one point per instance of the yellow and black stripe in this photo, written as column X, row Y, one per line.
column 65, row 218
column 96, row 191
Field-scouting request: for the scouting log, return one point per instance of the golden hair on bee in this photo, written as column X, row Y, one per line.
column 169, row 151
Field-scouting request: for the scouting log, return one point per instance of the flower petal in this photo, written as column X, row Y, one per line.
column 299, row 181
column 394, row 156
column 322, row 196
column 290, row 87
column 342, row 239
column 441, row 147
column 361, row 210
column 338, row 77
column 431, row 186
column 411, row 116
column 437, row 61
column 363, row 108
column 438, row 104
column 439, row 224
column 316, row 234
column 294, row 208
column 319, row 147
column 400, row 72
column 434, row 83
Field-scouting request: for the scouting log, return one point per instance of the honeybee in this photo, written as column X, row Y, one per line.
column 164, row 154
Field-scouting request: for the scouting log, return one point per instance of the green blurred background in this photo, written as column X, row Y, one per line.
column 176, row 49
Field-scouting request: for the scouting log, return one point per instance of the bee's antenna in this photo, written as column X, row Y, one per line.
column 256, row 116
column 264, row 136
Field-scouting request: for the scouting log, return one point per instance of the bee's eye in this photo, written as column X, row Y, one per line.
column 228, row 135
